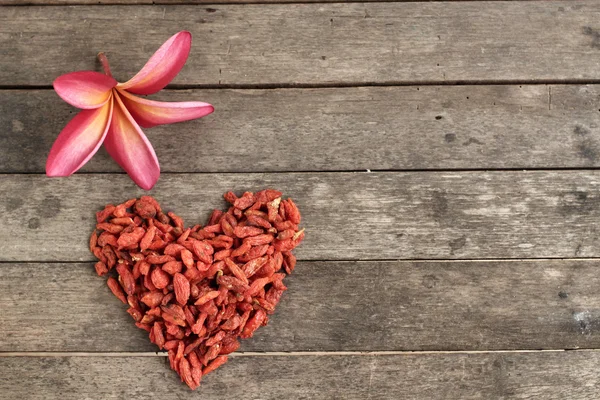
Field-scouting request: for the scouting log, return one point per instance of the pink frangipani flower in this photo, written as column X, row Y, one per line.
column 112, row 115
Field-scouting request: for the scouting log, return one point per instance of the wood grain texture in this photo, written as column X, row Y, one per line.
column 334, row 306
column 428, row 127
column 356, row 216
column 187, row 2
column 291, row 44
column 540, row 375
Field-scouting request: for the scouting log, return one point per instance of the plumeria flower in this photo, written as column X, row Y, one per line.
column 112, row 114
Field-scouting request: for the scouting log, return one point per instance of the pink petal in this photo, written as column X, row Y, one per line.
column 149, row 113
column 79, row 141
column 162, row 67
column 85, row 89
column 130, row 148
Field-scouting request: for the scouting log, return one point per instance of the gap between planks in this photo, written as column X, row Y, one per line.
column 361, row 260
column 353, row 84
column 290, row 354
column 219, row 3
column 330, row 171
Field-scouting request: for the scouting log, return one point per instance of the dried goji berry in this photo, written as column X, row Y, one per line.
column 232, row 283
column 160, row 279
column 172, row 267
column 126, row 278
column 245, row 201
column 101, row 268
column 145, row 208
column 186, row 373
column 214, row 217
column 236, row 270
column 110, row 257
column 176, row 219
column 232, row 323
column 173, row 249
column 216, row 363
column 252, row 266
column 259, row 239
column 226, row 227
column 133, row 238
column 125, row 221
column 229, row 347
column 187, row 257
column 169, row 297
column 158, row 259
column 182, row 288
column 243, row 248
column 152, row 299
column 230, row 269
column 159, row 338
column 207, row 297
column 211, row 354
column 135, row 314
column 116, row 288
column 253, row 324
column 216, row 338
column 254, row 252
column 108, row 227
column 101, row 216
column 246, row 231
column 254, row 220
column 93, row 240
column 200, row 251
column 148, row 238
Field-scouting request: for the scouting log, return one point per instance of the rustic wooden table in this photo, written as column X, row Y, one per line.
column 444, row 154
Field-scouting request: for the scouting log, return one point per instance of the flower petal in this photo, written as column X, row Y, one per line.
column 130, row 148
column 162, row 67
column 84, row 89
column 149, row 113
column 79, row 141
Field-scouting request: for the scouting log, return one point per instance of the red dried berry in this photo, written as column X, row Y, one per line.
column 231, row 270
column 182, row 288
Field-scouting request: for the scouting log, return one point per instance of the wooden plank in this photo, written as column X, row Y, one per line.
column 356, row 216
column 334, row 306
column 205, row 2
column 540, row 375
column 461, row 127
column 289, row 44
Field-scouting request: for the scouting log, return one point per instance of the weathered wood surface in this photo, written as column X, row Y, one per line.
column 206, row 2
column 312, row 43
column 428, row 127
column 334, row 306
column 356, row 216
column 539, row 375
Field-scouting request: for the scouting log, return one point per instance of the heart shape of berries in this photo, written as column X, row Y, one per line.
column 197, row 290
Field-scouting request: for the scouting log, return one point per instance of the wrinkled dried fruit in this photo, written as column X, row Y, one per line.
column 160, row 279
column 152, row 299
column 101, row 268
column 182, row 288
column 196, row 291
column 116, row 288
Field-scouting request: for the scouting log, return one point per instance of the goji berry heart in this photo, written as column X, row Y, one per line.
column 197, row 290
